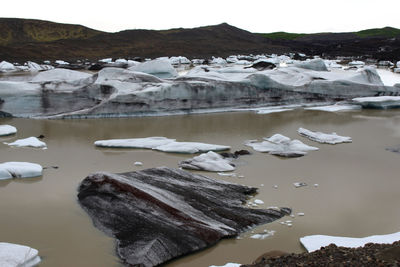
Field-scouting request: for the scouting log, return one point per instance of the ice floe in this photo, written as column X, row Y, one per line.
column 315, row 242
column 190, row 147
column 209, row 161
column 14, row 255
column 264, row 235
column 161, row 144
column 7, row 130
column 28, row 142
column 299, row 184
column 61, row 62
column 230, row 264
column 324, row 138
column 379, row 102
column 14, row 169
column 159, row 67
column 281, row 145
column 335, row 108
column 147, row 142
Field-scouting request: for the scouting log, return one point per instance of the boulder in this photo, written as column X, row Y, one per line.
column 159, row 214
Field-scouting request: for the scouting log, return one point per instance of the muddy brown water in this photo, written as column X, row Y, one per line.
column 358, row 192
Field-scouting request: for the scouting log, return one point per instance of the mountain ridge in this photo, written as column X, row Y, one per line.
column 28, row 39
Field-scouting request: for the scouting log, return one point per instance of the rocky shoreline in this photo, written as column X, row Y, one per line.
column 370, row 255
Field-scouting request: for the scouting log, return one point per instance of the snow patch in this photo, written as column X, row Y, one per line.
column 315, row 242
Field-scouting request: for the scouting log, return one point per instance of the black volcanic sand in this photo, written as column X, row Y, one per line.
column 369, row 255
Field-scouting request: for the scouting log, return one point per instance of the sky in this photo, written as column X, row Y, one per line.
column 298, row 16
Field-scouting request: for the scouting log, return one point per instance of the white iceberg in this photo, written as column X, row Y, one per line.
column 7, row 130
column 335, row 108
column 13, row 255
column 33, row 66
column 281, row 145
column 159, row 67
column 315, row 242
column 7, row 67
column 314, row 64
column 379, row 102
column 161, row 144
column 209, row 161
column 12, row 169
column 218, row 61
column 227, row 265
column 264, row 235
column 324, row 138
column 179, row 60
column 147, row 142
column 28, row 142
column 60, row 75
column 61, row 62
column 190, row 147
column 105, row 60
column 356, row 63
column 258, row 202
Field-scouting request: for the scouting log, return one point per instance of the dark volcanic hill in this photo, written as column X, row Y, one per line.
column 26, row 39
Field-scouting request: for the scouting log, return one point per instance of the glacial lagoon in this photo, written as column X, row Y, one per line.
column 352, row 188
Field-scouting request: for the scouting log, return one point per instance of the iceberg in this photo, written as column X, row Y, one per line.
column 33, row 66
column 281, row 145
column 28, row 142
column 179, row 60
column 378, row 102
column 13, row 255
column 60, row 75
column 159, row 67
column 7, row 130
column 148, row 142
column 229, row 264
column 137, row 91
column 324, row 138
column 314, row 64
column 315, row 242
column 7, row 67
column 209, row 161
column 61, row 62
column 9, row 170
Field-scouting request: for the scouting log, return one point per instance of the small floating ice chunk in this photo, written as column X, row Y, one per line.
column 227, row 265
column 138, row 163
column 379, row 102
column 335, row 108
column 28, row 142
column 275, row 186
column 227, row 174
column 315, row 242
column 320, row 137
column 190, row 147
column 7, row 130
column 258, row 201
column 272, row 110
column 148, row 142
column 13, row 255
column 13, row 169
column 281, row 145
column 300, row 214
column 316, row 185
column 209, row 161
column 299, row 184
column 263, row 235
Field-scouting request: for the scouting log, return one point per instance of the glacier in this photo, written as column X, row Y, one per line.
column 154, row 88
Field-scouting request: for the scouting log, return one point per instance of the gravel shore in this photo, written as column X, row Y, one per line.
column 369, row 255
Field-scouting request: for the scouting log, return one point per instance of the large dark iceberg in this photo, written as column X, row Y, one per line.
column 161, row 213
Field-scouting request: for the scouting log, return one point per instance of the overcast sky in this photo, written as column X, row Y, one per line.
column 301, row 16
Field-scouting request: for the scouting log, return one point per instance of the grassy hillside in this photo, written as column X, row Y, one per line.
column 28, row 30
column 382, row 32
column 282, row 35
